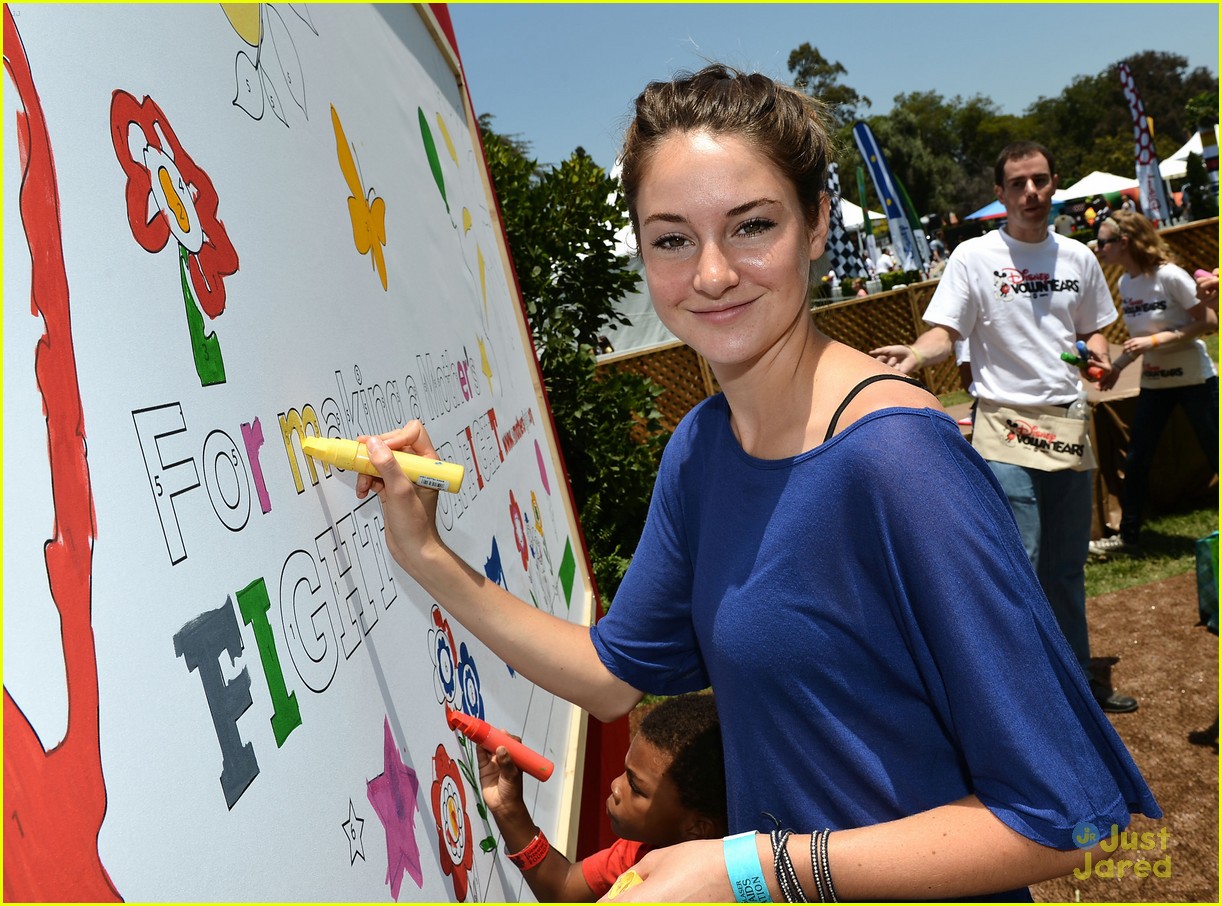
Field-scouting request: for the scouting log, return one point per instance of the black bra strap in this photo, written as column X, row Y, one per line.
column 831, row 428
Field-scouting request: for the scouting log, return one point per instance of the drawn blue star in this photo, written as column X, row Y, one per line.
column 354, row 828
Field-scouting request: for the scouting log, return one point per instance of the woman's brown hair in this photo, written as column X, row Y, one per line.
column 786, row 125
column 1147, row 249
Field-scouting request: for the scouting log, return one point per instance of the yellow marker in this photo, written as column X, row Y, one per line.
column 628, row 879
column 435, row 474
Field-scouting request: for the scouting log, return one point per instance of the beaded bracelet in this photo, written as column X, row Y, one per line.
column 744, row 868
column 820, row 890
column 530, row 855
column 786, row 875
column 820, row 866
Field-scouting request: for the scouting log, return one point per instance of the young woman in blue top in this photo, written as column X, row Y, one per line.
column 824, row 549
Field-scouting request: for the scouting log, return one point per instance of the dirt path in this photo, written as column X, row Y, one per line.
column 1171, row 666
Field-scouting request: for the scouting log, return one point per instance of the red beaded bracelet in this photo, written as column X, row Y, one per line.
column 531, row 854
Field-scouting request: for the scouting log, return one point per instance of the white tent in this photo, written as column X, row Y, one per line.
column 1097, row 183
column 1176, row 166
column 645, row 331
column 853, row 217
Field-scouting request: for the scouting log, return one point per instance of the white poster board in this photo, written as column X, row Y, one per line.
column 226, row 227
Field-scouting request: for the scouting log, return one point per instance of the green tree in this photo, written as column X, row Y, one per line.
column 941, row 150
column 983, row 132
column 1089, row 125
column 815, row 75
column 561, row 224
column 919, row 148
column 1167, row 86
column 1201, row 111
column 1086, row 126
column 1201, row 193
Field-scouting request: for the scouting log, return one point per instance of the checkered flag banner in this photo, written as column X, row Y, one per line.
column 840, row 249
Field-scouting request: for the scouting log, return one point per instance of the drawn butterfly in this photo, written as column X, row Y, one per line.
column 367, row 210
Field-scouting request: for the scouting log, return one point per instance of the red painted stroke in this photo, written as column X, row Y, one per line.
column 54, row 802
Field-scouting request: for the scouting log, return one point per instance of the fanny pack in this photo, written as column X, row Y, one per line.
column 1038, row 437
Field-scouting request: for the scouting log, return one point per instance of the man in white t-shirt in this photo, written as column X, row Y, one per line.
column 1023, row 295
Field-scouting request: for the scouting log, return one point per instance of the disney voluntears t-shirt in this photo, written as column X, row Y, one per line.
column 1021, row 304
column 1158, row 301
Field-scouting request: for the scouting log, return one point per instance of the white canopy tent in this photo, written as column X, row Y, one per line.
column 646, row 330
column 1096, row 183
column 854, row 219
column 1176, row 166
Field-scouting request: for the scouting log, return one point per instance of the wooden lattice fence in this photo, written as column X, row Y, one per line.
column 878, row 320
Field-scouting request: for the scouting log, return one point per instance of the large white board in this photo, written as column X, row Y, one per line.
column 226, row 227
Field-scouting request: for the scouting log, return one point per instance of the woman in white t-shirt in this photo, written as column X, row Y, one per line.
column 1165, row 320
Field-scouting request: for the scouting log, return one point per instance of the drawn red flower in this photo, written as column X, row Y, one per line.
column 453, row 828
column 168, row 194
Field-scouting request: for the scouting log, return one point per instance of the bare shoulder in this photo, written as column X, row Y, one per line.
column 888, row 393
column 853, row 368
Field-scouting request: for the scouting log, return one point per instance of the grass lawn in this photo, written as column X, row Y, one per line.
column 1168, row 549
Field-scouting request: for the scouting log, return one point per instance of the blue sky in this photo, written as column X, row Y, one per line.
column 564, row 74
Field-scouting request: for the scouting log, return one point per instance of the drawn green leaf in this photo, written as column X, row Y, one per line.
column 430, row 149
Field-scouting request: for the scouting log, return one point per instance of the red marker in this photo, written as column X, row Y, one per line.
column 490, row 738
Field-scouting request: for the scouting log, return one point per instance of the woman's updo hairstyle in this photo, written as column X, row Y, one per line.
column 783, row 123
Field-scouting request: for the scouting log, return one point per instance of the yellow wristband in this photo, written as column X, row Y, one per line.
column 920, row 359
column 1153, row 339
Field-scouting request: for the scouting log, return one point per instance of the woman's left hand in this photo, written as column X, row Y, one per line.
column 687, row 872
column 1136, row 346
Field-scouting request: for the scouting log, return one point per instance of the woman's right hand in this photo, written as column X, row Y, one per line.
column 901, row 358
column 410, row 511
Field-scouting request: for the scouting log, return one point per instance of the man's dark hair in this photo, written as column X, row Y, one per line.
column 1017, row 151
column 686, row 727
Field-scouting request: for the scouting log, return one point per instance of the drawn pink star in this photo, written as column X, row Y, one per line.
column 393, row 796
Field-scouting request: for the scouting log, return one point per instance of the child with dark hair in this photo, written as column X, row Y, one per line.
column 673, row 789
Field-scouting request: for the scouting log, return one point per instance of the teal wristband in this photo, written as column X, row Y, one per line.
column 743, row 867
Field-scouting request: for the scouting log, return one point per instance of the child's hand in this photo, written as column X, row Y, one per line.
column 500, row 781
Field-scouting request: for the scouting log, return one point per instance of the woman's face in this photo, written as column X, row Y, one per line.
column 1109, row 246
column 725, row 244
